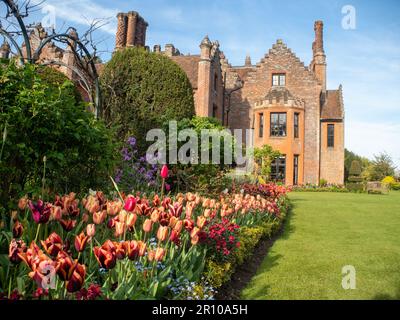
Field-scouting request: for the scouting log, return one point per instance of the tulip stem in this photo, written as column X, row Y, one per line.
column 162, row 188
column 37, row 231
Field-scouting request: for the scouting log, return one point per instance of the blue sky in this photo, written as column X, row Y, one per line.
column 366, row 61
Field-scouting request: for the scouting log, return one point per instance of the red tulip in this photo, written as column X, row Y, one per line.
column 65, row 265
column 53, row 244
column 18, row 229
column 133, row 249
column 80, row 242
column 130, row 203
column 164, row 172
column 189, row 224
column 68, row 225
column 77, row 278
column 120, row 249
column 106, row 255
column 174, row 237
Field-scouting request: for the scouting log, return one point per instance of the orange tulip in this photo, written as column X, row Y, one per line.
column 16, row 248
column 68, row 225
column 142, row 248
column 106, row 255
column 206, row 213
column 131, row 220
column 147, row 225
column 80, row 242
column 122, row 216
column 172, row 221
column 23, row 202
column 195, row 231
column 99, row 217
column 178, row 226
column 194, row 240
column 92, row 204
column 201, row 221
column 120, row 250
column 91, row 230
column 150, row 255
column 162, row 233
column 155, row 216
column 119, row 228
column 114, row 207
column 77, row 279
column 56, row 213
column 159, row 254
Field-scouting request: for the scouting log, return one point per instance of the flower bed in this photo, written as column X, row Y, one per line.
column 132, row 247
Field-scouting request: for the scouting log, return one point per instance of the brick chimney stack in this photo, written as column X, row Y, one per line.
column 131, row 30
column 248, row 61
column 120, row 38
column 318, row 64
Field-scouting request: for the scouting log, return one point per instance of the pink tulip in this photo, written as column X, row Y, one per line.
column 130, row 204
column 164, row 172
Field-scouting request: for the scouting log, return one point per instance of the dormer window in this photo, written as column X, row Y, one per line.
column 279, row 80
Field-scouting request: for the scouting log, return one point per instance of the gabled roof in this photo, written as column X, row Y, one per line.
column 333, row 107
column 189, row 64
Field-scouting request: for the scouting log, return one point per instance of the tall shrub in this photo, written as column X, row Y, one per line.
column 142, row 90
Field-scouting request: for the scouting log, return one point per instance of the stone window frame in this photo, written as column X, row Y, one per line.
column 296, row 125
column 261, row 125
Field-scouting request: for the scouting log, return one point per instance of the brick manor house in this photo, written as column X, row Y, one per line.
column 285, row 102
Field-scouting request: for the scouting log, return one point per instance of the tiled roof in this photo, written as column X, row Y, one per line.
column 189, row 64
column 332, row 109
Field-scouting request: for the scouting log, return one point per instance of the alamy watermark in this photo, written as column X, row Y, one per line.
column 349, row 277
column 349, row 20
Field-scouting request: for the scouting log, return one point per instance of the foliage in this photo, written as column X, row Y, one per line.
column 141, row 91
column 381, row 167
column 355, row 187
column 391, row 182
column 204, row 178
column 264, row 157
column 323, row 183
column 355, row 172
column 349, row 158
column 44, row 121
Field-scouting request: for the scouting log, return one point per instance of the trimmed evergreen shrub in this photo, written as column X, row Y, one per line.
column 142, row 90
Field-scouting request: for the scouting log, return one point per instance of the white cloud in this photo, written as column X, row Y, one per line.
column 83, row 12
column 367, row 139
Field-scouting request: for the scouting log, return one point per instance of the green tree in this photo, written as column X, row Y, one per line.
column 349, row 158
column 141, row 91
column 381, row 167
column 264, row 157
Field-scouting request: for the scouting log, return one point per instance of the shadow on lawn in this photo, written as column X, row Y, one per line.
column 259, row 260
column 385, row 296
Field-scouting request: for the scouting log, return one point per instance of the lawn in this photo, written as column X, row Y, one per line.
column 325, row 232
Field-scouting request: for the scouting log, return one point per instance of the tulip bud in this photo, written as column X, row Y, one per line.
column 91, row 230
column 18, row 229
column 155, row 216
column 178, row 226
column 99, row 217
column 14, row 215
column 195, row 231
column 122, row 216
column 147, row 225
column 131, row 220
column 159, row 254
column 22, row 203
column 130, row 203
column 119, row 228
column 172, row 221
column 142, row 248
column 194, row 240
column 162, row 233
column 56, row 213
column 164, row 172
column 150, row 255
column 133, row 249
column 80, row 242
column 206, row 213
column 201, row 221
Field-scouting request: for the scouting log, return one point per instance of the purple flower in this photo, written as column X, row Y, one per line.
column 132, row 141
